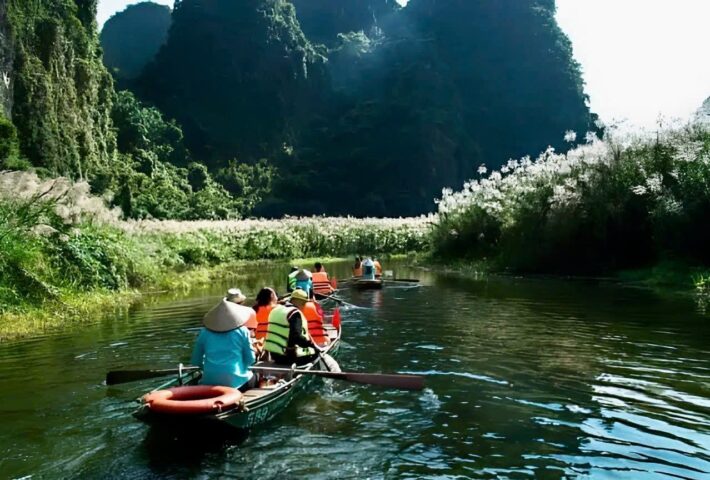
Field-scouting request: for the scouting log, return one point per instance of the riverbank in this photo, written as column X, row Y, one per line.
column 64, row 256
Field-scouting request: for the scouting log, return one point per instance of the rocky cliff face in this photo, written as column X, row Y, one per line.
column 55, row 84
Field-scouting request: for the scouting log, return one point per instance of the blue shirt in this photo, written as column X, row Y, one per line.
column 225, row 358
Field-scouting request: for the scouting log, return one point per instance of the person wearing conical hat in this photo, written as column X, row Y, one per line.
column 304, row 281
column 223, row 347
column 235, row 295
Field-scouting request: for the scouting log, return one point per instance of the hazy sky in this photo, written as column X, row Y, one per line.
column 641, row 58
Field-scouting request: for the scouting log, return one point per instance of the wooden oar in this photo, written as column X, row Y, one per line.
column 404, row 382
column 125, row 376
column 407, row 280
column 321, row 296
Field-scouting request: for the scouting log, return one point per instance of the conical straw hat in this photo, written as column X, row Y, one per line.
column 226, row 316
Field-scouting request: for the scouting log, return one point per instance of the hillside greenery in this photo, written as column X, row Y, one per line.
column 365, row 107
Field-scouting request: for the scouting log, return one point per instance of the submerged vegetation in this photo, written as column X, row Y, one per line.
column 614, row 203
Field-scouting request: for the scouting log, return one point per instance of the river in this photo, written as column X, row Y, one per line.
column 526, row 378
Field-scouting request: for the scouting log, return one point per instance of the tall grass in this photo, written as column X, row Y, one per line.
column 612, row 203
column 57, row 240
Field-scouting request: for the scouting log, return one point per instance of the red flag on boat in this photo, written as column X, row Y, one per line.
column 336, row 318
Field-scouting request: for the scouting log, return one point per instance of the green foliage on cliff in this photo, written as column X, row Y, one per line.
column 409, row 101
column 236, row 75
column 131, row 38
column 62, row 92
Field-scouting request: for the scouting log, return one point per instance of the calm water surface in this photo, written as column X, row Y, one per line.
column 526, row 379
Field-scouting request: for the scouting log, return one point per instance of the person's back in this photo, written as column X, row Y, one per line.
column 304, row 281
column 287, row 337
column 368, row 270
column 223, row 347
column 378, row 268
column 357, row 268
column 321, row 283
column 315, row 323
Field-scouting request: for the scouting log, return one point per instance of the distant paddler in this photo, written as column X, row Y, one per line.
column 321, row 282
column 357, row 267
column 368, row 269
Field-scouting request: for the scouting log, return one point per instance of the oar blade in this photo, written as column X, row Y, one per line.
column 402, row 382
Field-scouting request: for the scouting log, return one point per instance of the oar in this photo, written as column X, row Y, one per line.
column 404, row 382
column 337, row 300
column 125, row 376
column 407, row 280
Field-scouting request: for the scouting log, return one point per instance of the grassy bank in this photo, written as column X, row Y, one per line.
column 609, row 205
column 62, row 251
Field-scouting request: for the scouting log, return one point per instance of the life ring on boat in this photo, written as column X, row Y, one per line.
column 192, row 399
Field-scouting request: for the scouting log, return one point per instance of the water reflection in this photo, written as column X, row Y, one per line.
column 526, row 378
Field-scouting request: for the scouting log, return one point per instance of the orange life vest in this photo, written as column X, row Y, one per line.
column 357, row 272
column 378, row 269
column 321, row 283
column 315, row 324
column 262, row 318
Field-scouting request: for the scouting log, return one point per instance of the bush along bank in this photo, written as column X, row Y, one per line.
column 612, row 204
column 61, row 246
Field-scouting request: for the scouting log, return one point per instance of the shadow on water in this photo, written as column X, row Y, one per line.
column 183, row 448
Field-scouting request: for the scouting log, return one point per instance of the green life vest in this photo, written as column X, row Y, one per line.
column 278, row 330
column 292, row 281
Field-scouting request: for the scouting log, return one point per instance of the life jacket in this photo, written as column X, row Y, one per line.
column 315, row 324
column 291, row 281
column 378, row 268
column 278, row 330
column 252, row 323
column 321, row 283
column 357, row 271
column 262, row 319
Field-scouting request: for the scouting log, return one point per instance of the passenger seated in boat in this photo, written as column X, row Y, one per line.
column 235, row 296
column 309, row 309
column 304, row 281
column 291, row 280
column 368, row 269
column 223, row 347
column 378, row 268
column 266, row 300
column 357, row 268
column 287, row 336
column 321, row 282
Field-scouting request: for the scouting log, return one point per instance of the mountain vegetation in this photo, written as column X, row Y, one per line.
column 365, row 107
column 131, row 39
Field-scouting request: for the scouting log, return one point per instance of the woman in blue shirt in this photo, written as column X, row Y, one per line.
column 223, row 347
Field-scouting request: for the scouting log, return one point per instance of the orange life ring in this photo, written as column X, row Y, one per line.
column 193, row 399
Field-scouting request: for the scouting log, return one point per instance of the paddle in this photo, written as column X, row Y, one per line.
column 322, row 296
column 125, row 376
column 404, row 382
column 408, row 280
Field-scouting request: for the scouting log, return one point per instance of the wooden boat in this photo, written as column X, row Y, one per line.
column 362, row 284
column 258, row 405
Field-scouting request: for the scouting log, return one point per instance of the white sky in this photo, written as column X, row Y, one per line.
column 640, row 58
